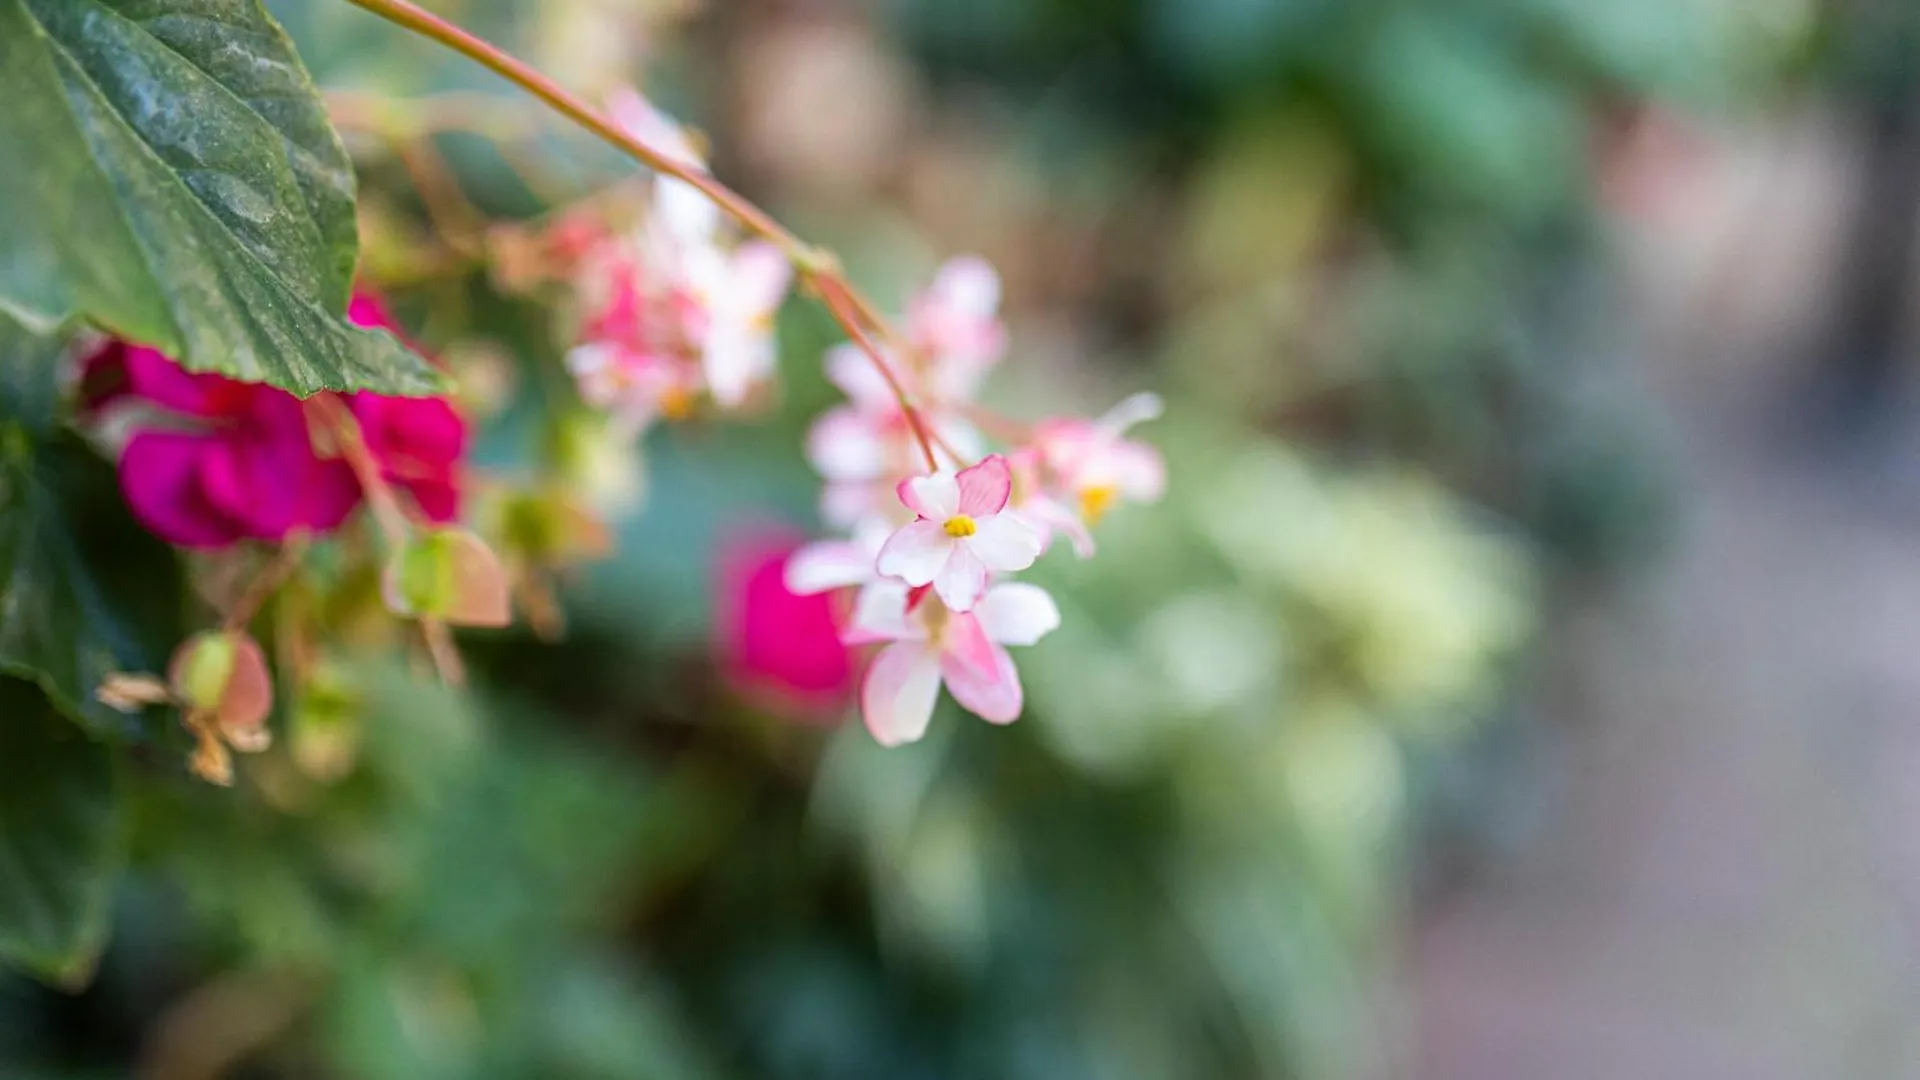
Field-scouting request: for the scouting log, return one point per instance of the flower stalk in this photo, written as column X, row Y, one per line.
column 846, row 304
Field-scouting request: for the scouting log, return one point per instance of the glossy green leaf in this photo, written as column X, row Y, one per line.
column 84, row 591
column 171, row 174
column 61, row 838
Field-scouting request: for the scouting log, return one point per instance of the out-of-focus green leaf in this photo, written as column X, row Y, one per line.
column 84, row 591
column 60, row 838
column 185, row 190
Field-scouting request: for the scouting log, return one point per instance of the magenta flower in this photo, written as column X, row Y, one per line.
column 419, row 442
column 777, row 646
column 210, row 461
column 222, row 461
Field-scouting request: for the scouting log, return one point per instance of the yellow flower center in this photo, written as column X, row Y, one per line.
column 961, row 525
column 676, row 403
column 1095, row 502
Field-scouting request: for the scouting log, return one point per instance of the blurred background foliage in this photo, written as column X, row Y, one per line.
column 1357, row 246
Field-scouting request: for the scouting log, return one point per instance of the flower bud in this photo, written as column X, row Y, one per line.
column 448, row 574
column 221, row 674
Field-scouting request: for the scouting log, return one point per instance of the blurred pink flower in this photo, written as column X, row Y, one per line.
column 1097, row 465
column 961, row 533
column 210, row 461
column 955, row 324
column 778, row 647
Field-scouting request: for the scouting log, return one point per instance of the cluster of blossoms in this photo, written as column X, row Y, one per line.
column 210, row 463
column 929, row 548
column 674, row 314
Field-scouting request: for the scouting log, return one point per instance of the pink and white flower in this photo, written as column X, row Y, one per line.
column 930, row 645
column 673, row 313
column 1040, row 508
column 960, row 533
column 864, row 447
column 955, row 325
column 1096, row 465
column 686, row 216
column 740, row 292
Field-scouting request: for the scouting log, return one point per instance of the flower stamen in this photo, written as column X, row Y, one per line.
column 960, row 525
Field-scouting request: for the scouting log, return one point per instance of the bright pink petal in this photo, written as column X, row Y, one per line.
column 152, row 376
column 1004, row 543
column 776, row 646
column 961, row 581
column 1016, row 613
column 992, row 693
column 329, row 497
column 936, row 497
column 897, row 697
column 258, row 481
column 985, row 488
column 160, row 476
column 368, row 310
column 917, row 553
column 438, row 500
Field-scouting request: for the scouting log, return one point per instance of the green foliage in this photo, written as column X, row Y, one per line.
column 185, row 190
column 61, row 837
column 87, row 591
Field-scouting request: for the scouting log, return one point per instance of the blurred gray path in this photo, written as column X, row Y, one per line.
column 1729, row 885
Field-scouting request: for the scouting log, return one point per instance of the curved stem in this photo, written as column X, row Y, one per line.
column 848, row 306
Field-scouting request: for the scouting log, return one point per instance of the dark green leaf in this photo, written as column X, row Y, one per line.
column 171, row 174
column 84, row 591
column 61, row 838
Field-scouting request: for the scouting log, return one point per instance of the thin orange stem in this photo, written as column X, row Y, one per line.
column 850, row 309
column 833, row 294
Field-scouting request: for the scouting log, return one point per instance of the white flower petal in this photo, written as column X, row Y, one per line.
column 967, row 284
column 757, row 278
column 844, row 444
column 1134, row 410
column 880, row 614
column 1139, row 471
column 898, row 694
column 1016, row 613
column 847, row 503
column 936, row 497
column 917, row 553
column 1004, row 543
column 961, row 581
column 853, row 371
column 828, row 564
